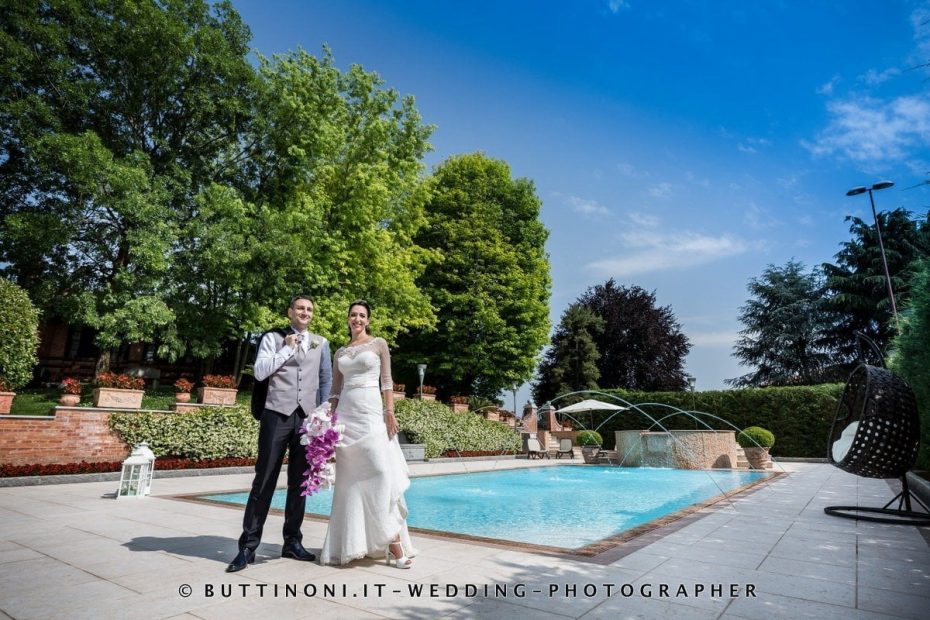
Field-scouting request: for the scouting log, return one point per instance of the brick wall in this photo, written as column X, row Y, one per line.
column 71, row 435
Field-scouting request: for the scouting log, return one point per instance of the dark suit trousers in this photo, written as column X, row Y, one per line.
column 277, row 434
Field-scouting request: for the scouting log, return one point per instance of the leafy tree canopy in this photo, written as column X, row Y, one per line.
column 490, row 290
column 570, row 363
column 642, row 346
column 857, row 291
column 783, row 325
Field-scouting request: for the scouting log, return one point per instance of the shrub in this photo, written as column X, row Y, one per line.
column 459, row 400
column 70, row 385
column 589, row 438
column 183, row 386
column 19, row 326
column 399, row 387
column 212, row 433
column 220, row 381
column 120, row 382
column 428, row 389
column 755, row 437
column 434, row 425
column 911, row 355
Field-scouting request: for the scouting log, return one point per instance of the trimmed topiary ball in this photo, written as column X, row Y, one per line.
column 589, row 438
column 755, row 437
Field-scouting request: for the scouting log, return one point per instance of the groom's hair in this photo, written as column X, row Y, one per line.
column 295, row 298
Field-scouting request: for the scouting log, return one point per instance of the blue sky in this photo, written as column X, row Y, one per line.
column 678, row 146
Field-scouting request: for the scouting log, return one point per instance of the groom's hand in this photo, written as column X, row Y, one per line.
column 292, row 340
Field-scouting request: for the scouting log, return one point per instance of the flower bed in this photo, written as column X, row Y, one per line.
column 11, row 471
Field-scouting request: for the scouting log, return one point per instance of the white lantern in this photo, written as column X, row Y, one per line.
column 136, row 477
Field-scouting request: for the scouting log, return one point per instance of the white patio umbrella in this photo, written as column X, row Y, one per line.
column 590, row 405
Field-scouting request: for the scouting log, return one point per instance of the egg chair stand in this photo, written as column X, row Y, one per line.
column 875, row 434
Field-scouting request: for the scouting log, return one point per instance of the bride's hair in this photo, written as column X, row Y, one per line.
column 364, row 304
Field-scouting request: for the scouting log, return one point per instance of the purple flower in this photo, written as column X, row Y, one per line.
column 320, row 439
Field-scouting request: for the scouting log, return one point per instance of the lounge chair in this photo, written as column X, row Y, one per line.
column 565, row 447
column 534, row 450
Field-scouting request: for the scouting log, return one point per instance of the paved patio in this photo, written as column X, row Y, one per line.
column 71, row 551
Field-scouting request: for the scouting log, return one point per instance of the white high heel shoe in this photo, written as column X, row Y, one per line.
column 402, row 562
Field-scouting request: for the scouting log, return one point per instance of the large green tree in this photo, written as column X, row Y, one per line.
column 570, row 363
column 857, row 291
column 331, row 175
column 642, row 346
column 784, row 321
column 113, row 116
column 491, row 288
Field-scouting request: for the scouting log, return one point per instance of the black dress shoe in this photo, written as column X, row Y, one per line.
column 245, row 557
column 296, row 551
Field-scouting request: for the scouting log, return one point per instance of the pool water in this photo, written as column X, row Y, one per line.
column 562, row 506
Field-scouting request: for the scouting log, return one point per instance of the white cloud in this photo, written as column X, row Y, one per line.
column 662, row 190
column 827, row 87
column 616, row 6
column 714, row 339
column 652, row 250
column 758, row 218
column 629, row 170
column 872, row 131
column 874, row 78
column 644, row 220
column 586, row 207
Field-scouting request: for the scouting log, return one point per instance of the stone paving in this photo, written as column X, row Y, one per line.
column 72, row 551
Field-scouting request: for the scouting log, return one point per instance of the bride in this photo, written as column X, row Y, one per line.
column 368, row 517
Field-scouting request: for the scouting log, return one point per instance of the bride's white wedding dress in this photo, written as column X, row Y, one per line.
column 371, row 473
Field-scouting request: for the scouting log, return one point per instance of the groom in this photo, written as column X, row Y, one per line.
column 299, row 372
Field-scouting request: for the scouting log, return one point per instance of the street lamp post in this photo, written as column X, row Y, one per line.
column 691, row 381
column 421, row 372
column 881, row 244
column 514, row 389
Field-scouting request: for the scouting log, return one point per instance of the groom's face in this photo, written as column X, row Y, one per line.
column 300, row 313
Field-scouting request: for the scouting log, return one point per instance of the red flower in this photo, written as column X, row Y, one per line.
column 220, row 381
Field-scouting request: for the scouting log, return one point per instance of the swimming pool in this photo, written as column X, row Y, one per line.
column 562, row 506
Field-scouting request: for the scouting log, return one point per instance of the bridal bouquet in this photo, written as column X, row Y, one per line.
column 320, row 435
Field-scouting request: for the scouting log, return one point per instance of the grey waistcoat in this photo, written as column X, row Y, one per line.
column 294, row 384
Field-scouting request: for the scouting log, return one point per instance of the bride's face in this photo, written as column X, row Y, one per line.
column 358, row 320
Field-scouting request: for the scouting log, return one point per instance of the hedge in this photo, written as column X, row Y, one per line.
column 232, row 432
column 435, row 425
column 213, row 433
column 799, row 417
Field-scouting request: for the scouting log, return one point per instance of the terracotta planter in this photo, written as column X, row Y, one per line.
column 216, row 396
column 459, row 407
column 399, row 395
column 69, row 400
column 113, row 398
column 758, row 457
column 425, row 396
column 6, row 401
column 182, row 397
column 589, row 453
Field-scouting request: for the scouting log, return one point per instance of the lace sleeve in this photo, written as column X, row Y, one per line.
column 336, row 390
column 387, row 383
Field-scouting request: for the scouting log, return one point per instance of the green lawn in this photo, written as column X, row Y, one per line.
column 41, row 401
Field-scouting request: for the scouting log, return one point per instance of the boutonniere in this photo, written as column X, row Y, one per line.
column 314, row 344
